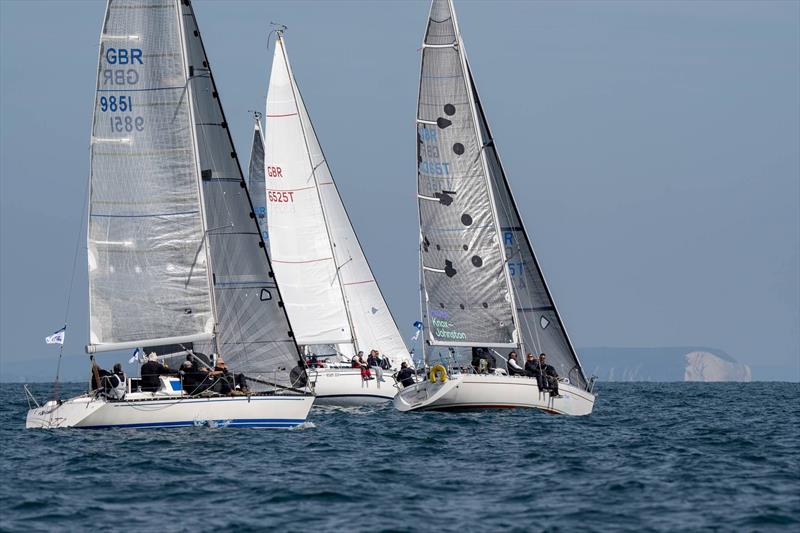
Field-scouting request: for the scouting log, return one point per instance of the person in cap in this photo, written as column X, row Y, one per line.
column 193, row 378
column 406, row 375
column 151, row 372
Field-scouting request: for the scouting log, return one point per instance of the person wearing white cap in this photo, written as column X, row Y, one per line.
column 151, row 371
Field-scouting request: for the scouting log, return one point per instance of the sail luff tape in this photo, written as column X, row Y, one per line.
column 119, row 37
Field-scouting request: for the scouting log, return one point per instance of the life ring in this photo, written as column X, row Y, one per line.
column 440, row 372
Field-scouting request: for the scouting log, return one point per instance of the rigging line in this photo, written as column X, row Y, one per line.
column 79, row 233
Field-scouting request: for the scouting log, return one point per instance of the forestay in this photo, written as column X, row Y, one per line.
column 540, row 324
column 148, row 279
column 465, row 286
column 253, row 331
column 255, row 178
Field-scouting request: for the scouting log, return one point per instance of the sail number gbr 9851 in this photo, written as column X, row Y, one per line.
column 123, row 119
column 121, row 104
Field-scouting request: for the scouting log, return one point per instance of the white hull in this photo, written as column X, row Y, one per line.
column 151, row 411
column 481, row 391
column 344, row 387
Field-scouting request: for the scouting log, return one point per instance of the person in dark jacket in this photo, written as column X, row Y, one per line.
column 533, row 370
column 194, row 378
column 549, row 375
column 151, row 372
column 406, row 375
column 479, row 355
column 98, row 375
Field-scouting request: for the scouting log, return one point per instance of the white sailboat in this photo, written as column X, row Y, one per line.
column 174, row 253
column 332, row 298
column 481, row 283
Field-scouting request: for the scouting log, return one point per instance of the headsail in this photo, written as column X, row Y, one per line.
column 148, row 278
column 307, row 221
column 300, row 246
column 541, row 327
column 255, row 178
column 466, row 291
column 253, row 332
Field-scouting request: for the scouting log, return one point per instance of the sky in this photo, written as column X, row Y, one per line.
column 653, row 148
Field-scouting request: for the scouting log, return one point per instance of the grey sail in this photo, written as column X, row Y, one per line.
column 541, row 327
column 255, row 178
column 253, row 332
column 466, row 296
column 148, row 277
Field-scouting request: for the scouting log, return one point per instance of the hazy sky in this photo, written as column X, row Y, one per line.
column 652, row 147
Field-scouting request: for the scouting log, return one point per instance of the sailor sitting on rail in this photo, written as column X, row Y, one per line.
column 513, row 367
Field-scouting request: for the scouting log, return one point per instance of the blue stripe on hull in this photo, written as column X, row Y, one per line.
column 236, row 423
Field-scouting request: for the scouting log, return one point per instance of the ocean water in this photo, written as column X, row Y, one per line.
column 660, row 457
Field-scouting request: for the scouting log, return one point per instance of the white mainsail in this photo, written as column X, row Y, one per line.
column 148, row 268
column 175, row 251
column 332, row 296
column 466, row 292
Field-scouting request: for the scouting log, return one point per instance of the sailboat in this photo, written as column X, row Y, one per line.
column 176, row 260
column 331, row 295
column 481, row 284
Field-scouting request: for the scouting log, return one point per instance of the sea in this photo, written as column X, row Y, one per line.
column 652, row 457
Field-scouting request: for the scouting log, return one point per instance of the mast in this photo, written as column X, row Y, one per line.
column 198, row 175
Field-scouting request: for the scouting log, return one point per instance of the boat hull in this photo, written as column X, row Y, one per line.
column 474, row 391
column 344, row 387
column 87, row 412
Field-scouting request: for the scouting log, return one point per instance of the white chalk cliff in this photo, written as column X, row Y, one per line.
column 705, row 366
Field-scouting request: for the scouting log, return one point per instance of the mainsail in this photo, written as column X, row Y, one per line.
column 255, row 178
column 253, row 332
column 148, row 272
column 445, row 72
column 466, row 295
column 334, row 297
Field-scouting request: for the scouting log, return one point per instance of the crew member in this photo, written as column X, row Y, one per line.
column 513, row 367
column 151, row 372
column 406, row 375
column 115, row 383
column 533, row 370
column 549, row 375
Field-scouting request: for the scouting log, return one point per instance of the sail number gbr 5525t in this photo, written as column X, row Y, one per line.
column 120, row 74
